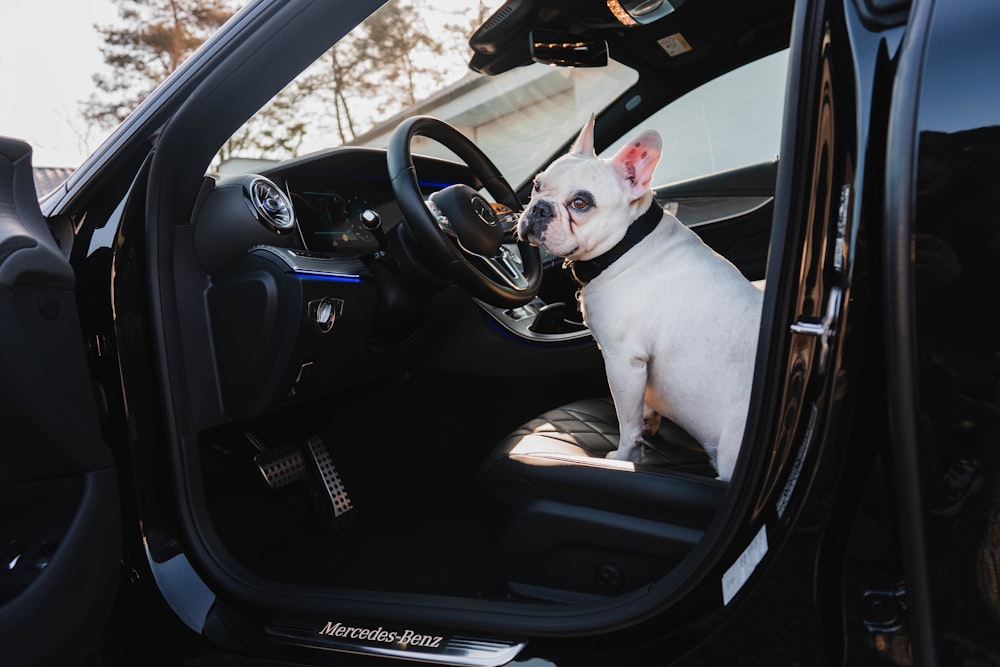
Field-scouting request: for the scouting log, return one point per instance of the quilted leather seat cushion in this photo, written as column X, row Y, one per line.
column 560, row 456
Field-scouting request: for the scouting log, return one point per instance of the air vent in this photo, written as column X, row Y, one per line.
column 269, row 204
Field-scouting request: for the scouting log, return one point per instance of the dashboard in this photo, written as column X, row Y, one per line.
column 312, row 203
column 329, row 192
column 287, row 281
column 292, row 296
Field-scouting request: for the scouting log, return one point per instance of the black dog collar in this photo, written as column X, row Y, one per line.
column 584, row 271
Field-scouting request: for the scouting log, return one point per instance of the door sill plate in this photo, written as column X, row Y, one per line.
column 375, row 639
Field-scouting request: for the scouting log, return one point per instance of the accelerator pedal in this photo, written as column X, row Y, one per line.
column 333, row 503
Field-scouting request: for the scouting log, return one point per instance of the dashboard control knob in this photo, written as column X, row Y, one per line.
column 324, row 312
column 371, row 220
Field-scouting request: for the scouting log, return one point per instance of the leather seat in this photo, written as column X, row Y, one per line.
column 560, row 456
column 575, row 515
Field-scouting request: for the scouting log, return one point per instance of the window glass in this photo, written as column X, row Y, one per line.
column 730, row 122
column 350, row 97
column 520, row 118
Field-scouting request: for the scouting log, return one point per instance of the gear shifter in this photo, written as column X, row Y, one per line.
column 551, row 319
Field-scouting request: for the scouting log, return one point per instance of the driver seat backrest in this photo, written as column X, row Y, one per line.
column 582, row 525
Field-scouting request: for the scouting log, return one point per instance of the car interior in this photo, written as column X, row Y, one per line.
column 361, row 402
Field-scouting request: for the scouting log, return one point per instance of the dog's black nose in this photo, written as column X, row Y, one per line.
column 542, row 210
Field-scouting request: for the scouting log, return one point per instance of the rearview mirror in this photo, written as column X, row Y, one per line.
column 566, row 49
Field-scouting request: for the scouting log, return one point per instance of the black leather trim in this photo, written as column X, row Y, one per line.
column 27, row 248
column 560, row 456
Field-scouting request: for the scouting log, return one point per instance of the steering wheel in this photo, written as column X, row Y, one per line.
column 461, row 231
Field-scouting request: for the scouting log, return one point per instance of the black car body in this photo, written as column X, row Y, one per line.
column 223, row 441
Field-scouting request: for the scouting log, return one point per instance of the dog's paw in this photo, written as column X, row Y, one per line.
column 632, row 454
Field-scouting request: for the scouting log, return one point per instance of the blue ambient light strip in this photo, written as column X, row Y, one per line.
column 332, row 277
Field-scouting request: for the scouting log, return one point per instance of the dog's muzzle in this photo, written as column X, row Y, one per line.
column 536, row 220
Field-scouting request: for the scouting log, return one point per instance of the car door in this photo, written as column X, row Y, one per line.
column 941, row 258
column 59, row 504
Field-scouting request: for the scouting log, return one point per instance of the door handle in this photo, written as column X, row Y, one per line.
column 824, row 329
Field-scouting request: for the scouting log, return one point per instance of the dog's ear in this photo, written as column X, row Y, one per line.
column 585, row 140
column 637, row 160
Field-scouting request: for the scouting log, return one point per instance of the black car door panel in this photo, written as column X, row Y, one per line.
column 59, row 512
column 730, row 210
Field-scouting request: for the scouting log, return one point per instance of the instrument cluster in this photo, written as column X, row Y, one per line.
column 334, row 219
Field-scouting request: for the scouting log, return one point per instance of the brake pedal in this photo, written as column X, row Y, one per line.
column 281, row 466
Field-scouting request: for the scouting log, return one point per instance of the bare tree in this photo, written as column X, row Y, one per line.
column 152, row 39
column 390, row 63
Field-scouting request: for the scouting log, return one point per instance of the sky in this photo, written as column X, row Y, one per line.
column 48, row 54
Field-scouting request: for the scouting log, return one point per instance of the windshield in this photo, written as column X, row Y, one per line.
column 411, row 57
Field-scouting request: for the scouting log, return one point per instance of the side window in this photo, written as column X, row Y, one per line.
column 730, row 122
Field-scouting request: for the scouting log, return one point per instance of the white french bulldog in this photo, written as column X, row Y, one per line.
column 676, row 322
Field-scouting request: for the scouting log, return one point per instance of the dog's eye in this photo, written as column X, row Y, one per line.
column 536, row 187
column 579, row 204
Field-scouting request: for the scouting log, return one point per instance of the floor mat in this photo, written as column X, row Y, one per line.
column 408, row 451
column 435, row 557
